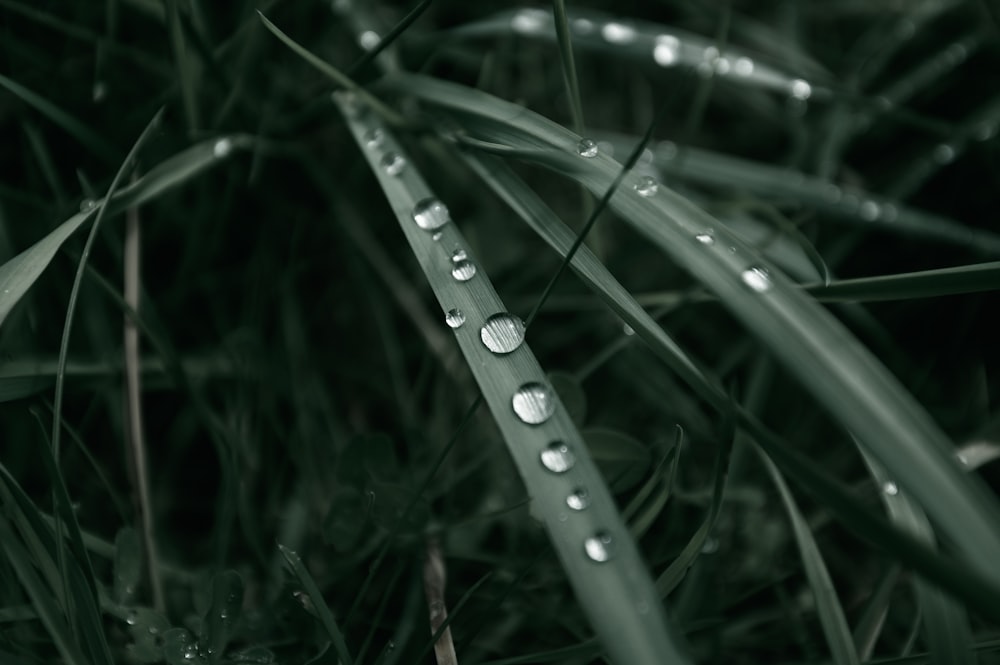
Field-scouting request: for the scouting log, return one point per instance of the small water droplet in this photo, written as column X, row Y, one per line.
column 832, row 193
column 222, row 147
column 800, row 89
column 459, row 255
column 528, row 21
column 454, row 318
column 890, row 488
column 706, row 238
column 743, row 66
column 722, row 66
column 583, row 26
column 224, row 614
column 463, row 271
column 587, row 148
column 374, row 139
column 647, row 186
column 710, row 546
column 87, row 204
column 944, row 153
column 132, row 618
column 889, row 213
column 618, row 33
column 599, row 547
column 368, row 40
column 436, row 236
column 869, row 211
column 627, row 330
column 502, row 333
column 534, row 403
column 431, row 214
column 985, row 132
column 393, row 163
column 578, row 499
column 666, row 50
column 99, row 92
column 757, row 278
column 962, row 459
column 558, row 458
column 190, row 652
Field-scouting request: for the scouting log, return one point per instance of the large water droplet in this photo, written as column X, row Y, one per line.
column 587, row 148
column 618, row 33
column 393, row 163
column 454, row 318
column 222, row 147
column 666, row 50
column 578, row 499
column 705, row 238
column 430, row 214
column 502, row 333
column 534, row 403
column 558, row 458
column 374, row 139
column 599, row 547
column 647, row 186
column 757, row 278
column 463, row 271
column 368, row 40
column 743, row 66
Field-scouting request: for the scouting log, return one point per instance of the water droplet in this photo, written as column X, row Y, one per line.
column 627, row 330
column 710, row 546
column 459, row 255
column 869, row 211
column 618, row 33
column 944, row 153
column 705, row 238
column 722, row 66
column 99, row 91
column 222, row 147
column 832, row 193
column 757, row 279
column 743, row 66
column 393, row 163
column 890, row 488
column 985, row 132
column 431, row 214
column 800, row 89
column 190, row 652
column 224, row 614
column 368, row 40
column 374, row 139
column 132, row 618
column 502, row 333
column 665, row 51
column 436, row 236
column 558, row 458
column 454, row 318
column 647, row 186
column 578, row 499
column 956, row 53
column 534, row 403
column 587, row 148
column 599, row 547
column 889, row 213
column 463, row 271
column 87, row 204
column 528, row 21
column 583, row 26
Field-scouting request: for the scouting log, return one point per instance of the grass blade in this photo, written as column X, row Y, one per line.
column 316, row 596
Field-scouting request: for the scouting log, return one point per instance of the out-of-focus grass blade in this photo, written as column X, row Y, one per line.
column 316, row 596
column 840, row 373
column 75, row 128
column 187, row 75
column 650, row 44
column 224, row 610
column 127, row 566
column 946, row 624
column 19, row 273
column 599, row 557
column 903, row 286
column 831, row 613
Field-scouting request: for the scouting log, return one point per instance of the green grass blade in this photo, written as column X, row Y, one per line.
column 598, row 555
column 316, row 596
column 973, row 278
column 840, row 373
column 831, row 613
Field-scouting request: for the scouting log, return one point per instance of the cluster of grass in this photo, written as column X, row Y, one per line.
column 594, row 332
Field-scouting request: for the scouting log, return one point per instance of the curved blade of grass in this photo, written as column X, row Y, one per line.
column 19, row 273
column 616, row 594
column 841, row 374
column 904, row 286
column 946, row 624
column 316, row 596
column 831, row 613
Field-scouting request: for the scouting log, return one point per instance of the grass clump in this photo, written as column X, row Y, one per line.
column 576, row 333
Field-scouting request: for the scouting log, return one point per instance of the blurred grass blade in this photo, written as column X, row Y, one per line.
column 946, row 624
column 225, row 607
column 831, row 613
column 316, row 596
column 843, row 376
column 597, row 553
column 19, row 273
column 973, row 278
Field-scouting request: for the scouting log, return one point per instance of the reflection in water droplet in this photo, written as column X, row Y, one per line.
column 430, row 214
column 454, row 318
column 374, row 139
column 869, row 211
column 393, row 163
column 502, row 333
column 459, row 255
column 599, row 547
column 463, row 271
column 944, row 153
column 558, row 458
column 578, row 499
column 368, row 40
column 757, row 279
column 800, row 89
column 222, row 147
column 647, row 186
column 705, row 238
column 666, row 50
column 890, row 488
column 436, row 236
column 743, row 66
column 618, row 33
column 534, row 403
column 587, row 148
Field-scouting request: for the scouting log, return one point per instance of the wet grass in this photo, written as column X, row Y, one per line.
column 622, row 333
